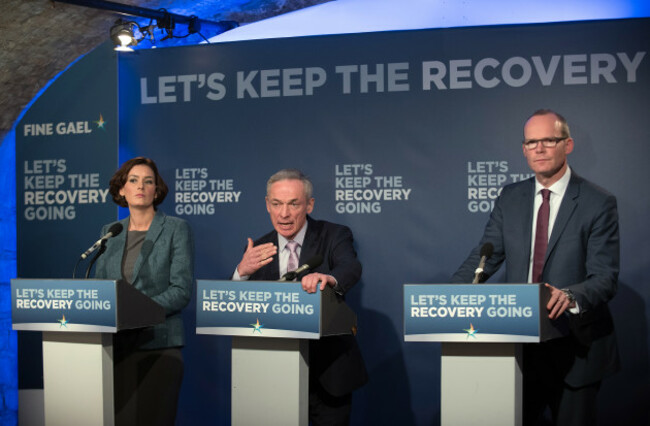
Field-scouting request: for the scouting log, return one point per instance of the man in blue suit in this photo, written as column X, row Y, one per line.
column 579, row 265
column 336, row 367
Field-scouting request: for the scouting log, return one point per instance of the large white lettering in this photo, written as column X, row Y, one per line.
column 518, row 71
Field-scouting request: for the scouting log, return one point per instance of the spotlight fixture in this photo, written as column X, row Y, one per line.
column 123, row 36
column 123, row 32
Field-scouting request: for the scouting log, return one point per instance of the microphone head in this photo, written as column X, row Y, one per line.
column 486, row 250
column 315, row 261
column 115, row 229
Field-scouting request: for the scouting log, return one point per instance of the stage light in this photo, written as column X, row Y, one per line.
column 123, row 36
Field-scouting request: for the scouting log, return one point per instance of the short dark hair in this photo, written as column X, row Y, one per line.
column 560, row 120
column 118, row 181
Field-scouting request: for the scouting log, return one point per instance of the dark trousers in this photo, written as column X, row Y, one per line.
column 146, row 385
column 544, row 387
column 328, row 410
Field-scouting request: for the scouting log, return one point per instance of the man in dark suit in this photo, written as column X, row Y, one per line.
column 579, row 265
column 336, row 366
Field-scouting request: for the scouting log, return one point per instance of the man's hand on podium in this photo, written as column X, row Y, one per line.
column 311, row 282
column 559, row 302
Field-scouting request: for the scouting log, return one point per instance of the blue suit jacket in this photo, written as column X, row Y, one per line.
column 164, row 271
column 335, row 361
column 582, row 255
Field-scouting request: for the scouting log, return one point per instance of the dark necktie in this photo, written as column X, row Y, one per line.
column 541, row 236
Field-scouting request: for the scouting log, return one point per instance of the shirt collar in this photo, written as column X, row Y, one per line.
column 559, row 187
column 299, row 238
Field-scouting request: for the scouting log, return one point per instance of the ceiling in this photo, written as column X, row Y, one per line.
column 40, row 38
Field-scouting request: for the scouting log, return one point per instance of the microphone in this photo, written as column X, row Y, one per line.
column 486, row 252
column 112, row 232
column 312, row 263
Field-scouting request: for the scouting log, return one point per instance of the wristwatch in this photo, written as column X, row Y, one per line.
column 569, row 295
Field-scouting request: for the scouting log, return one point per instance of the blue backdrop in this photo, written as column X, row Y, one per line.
column 408, row 137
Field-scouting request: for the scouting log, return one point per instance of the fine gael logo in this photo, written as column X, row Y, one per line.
column 100, row 123
column 63, row 322
column 257, row 326
column 471, row 331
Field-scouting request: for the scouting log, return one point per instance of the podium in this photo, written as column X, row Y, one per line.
column 78, row 318
column 271, row 324
column 481, row 328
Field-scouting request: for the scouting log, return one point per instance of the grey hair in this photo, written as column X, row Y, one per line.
column 291, row 174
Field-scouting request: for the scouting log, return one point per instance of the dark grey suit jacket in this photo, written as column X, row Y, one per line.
column 163, row 271
column 582, row 255
column 335, row 361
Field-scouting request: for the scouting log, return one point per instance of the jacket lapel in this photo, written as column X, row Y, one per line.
column 274, row 267
column 569, row 203
column 115, row 250
column 270, row 272
column 528, row 205
column 310, row 244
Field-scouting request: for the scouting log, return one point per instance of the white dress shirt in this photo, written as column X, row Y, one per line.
column 283, row 253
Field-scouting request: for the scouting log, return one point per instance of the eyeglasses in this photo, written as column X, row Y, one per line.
column 546, row 142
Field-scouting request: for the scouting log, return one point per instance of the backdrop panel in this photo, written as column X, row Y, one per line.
column 408, row 137
column 66, row 150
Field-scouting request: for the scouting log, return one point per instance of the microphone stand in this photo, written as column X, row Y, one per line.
column 289, row 276
column 478, row 273
column 101, row 251
column 486, row 252
column 74, row 270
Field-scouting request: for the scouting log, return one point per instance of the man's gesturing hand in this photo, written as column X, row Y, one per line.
column 255, row 257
